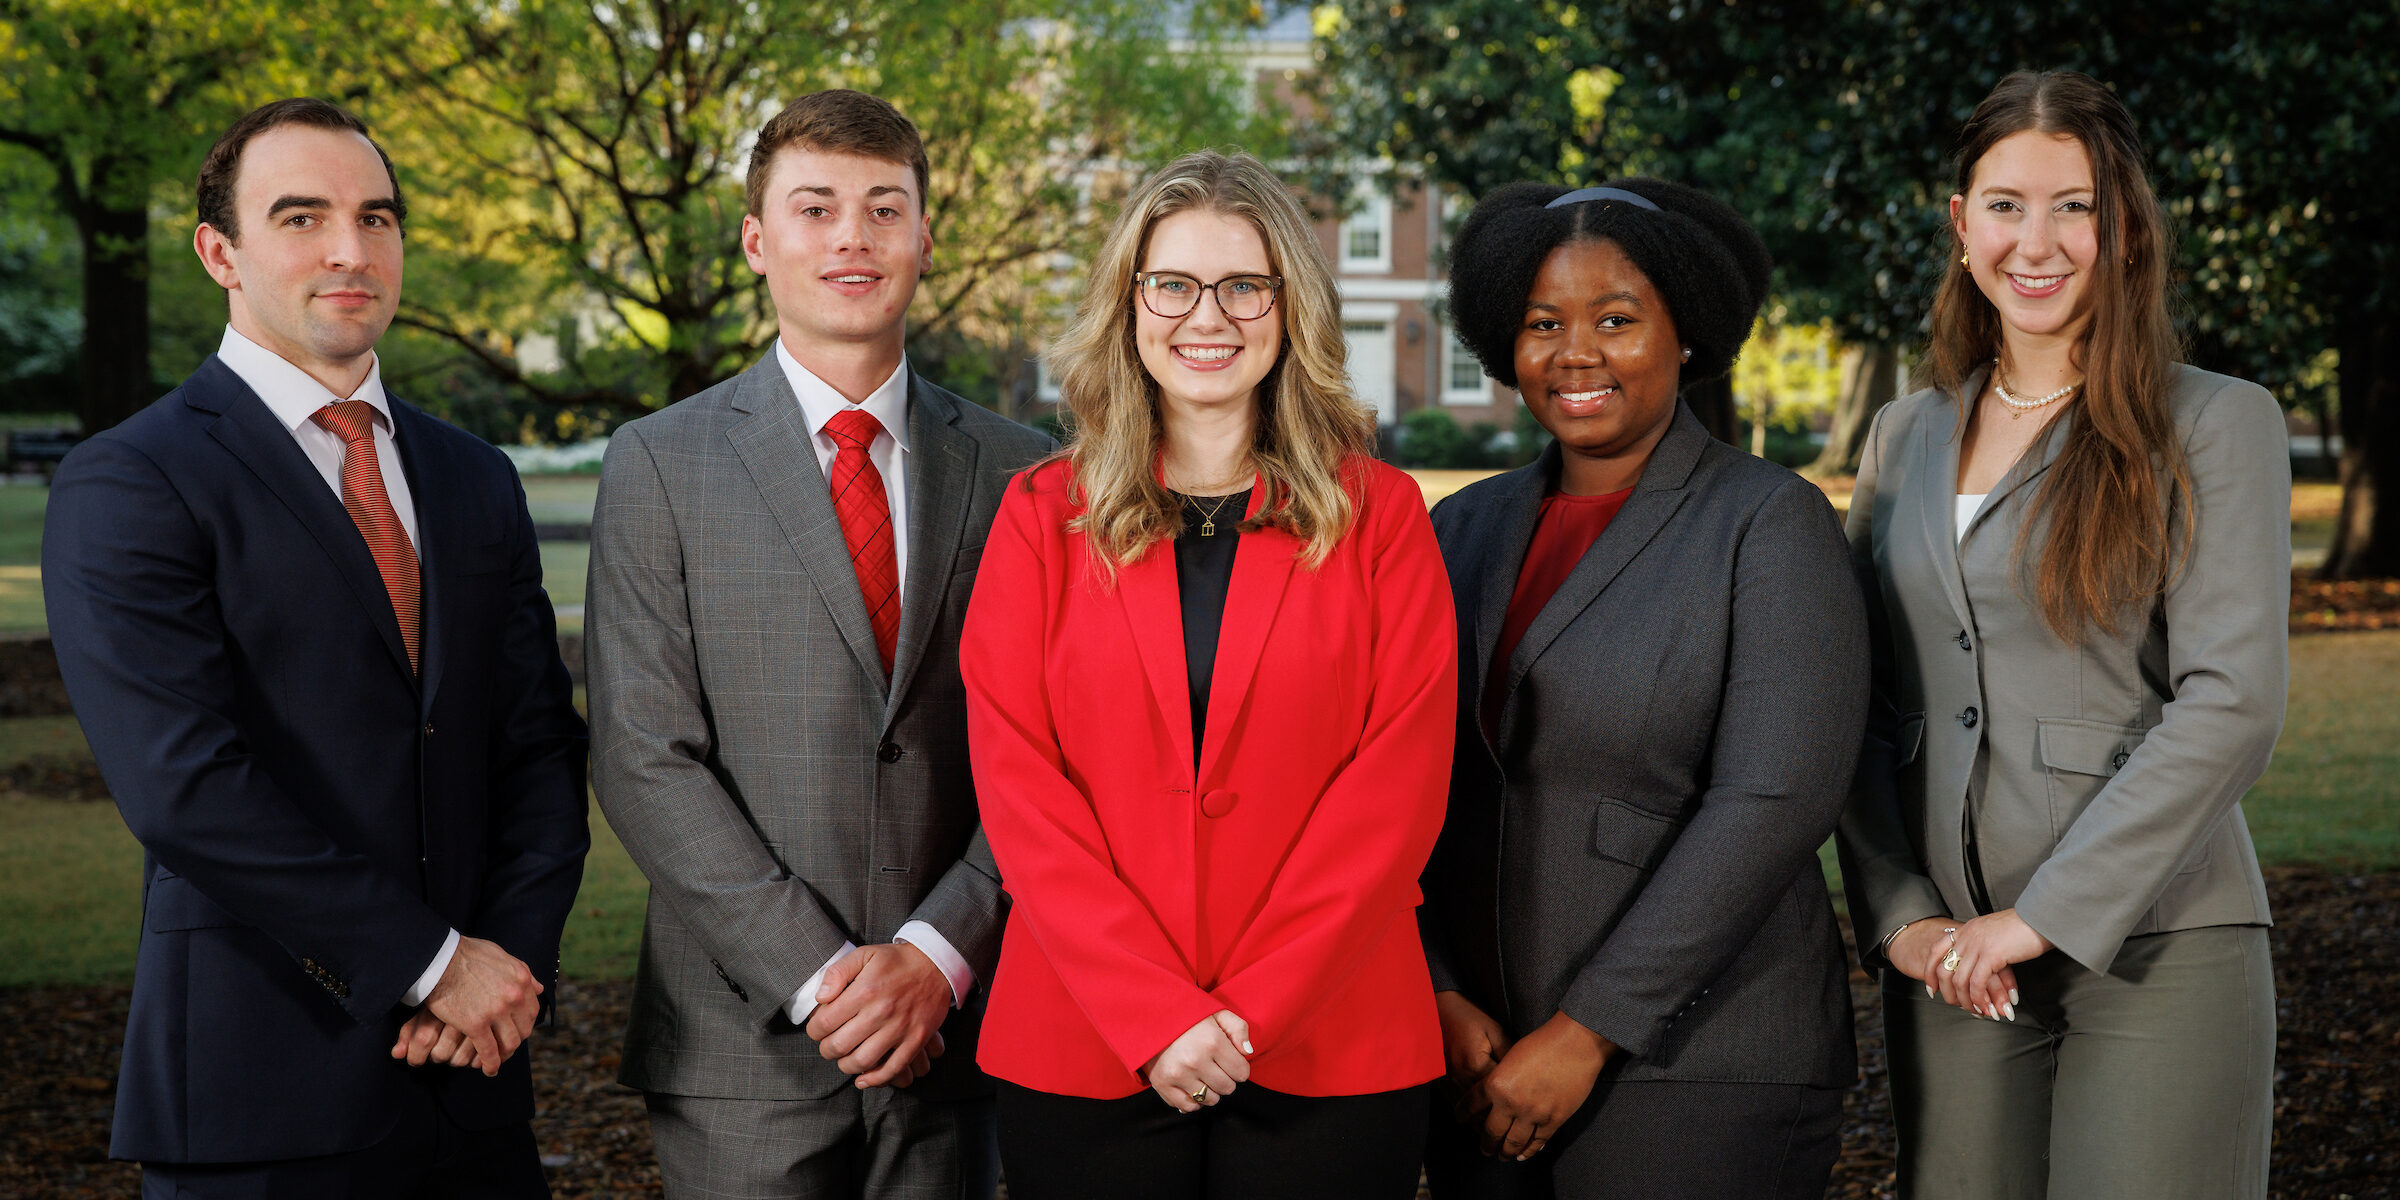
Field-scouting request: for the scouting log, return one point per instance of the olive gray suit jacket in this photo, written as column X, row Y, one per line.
column 1637, row 847
column 781, row 798
column 2103, row 774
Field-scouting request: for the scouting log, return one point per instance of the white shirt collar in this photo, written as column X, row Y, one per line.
column 291, row 393
column 888, row 403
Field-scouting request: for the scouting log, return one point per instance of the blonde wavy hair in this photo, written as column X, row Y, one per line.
column 1309, row 423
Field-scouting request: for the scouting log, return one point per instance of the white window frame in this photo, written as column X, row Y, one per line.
column 1374, row 211
column 1454, row 354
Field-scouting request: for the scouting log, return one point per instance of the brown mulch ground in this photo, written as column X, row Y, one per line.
column 2337, row 957
column 2321, row 606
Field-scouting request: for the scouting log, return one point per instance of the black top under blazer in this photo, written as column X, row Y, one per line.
column 1637, row 847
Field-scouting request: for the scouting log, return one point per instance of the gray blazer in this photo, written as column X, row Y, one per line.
column 779, row 796
column 2103, row 774
column 1637, row 848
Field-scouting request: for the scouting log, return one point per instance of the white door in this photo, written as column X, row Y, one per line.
column 1371, row 376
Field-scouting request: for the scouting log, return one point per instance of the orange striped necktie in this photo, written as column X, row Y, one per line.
column 370, row 507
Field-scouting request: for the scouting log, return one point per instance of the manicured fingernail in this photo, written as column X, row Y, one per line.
column 1929, row 992
column 1246, row 1048
column 2012, row 997
column 2010, row 1010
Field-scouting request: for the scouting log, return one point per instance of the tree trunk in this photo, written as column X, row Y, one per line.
column 1712, row 402
column 2366, row 535
column 1870, row 379
column 116, row 315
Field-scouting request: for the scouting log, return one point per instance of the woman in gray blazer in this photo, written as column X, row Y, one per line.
column 1663, row 675
column 2079, row 562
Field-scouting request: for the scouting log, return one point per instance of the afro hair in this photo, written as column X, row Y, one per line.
column 1705, row 260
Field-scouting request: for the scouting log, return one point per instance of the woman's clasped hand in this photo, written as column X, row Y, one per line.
column 1204, row 1065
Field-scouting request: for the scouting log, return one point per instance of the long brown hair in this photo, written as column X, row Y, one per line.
column 2109, row 542
column 1309, row 423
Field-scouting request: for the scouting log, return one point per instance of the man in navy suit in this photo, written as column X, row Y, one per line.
column 303, row 626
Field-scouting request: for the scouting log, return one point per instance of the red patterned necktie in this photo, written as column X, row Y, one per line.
column 866, row 515
column 353, row 421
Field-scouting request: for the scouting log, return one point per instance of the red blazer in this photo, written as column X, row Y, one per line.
column 1281, row 883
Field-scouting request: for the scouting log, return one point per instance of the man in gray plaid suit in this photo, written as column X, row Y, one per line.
column 780, row 566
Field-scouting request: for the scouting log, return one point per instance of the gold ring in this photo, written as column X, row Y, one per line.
column 1201, row 1096
column 1950, row 960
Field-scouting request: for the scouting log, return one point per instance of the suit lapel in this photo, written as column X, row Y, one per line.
column 1935, row 498
column 1262, row 565
column 941, row 478
column 2028, row 467
column 1654, row 501
column 1154, row 610
column 437, row 543
column 250, row 432
column 775, row 449
column 1505, row 535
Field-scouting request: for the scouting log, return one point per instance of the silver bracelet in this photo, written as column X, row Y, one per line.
column 1884, row 946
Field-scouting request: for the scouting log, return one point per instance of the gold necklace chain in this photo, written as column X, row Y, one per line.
column 1208, row 517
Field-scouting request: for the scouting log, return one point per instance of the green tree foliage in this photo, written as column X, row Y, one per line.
column 601, row 147
column 1829, row 123
column 111, row 97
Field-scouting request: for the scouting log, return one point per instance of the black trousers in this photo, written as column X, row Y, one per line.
column 424, row 1157
column 1253, row 1144
column 1657, row 1140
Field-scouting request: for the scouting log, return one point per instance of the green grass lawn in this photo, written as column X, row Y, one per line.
column 70, row 875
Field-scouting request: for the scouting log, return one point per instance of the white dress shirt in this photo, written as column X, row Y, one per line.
column 293, row 395
column 1963, row 514
column 888, row 404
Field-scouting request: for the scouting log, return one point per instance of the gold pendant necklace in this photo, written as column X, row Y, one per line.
column 1208, row 517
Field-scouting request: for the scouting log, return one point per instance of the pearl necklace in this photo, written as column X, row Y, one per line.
column 2018, row 408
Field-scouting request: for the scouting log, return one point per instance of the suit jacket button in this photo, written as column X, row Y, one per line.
column 1963, row 644
column 1968, row 718
column 428, row 724
column 1218, row 802
column 2118, row 763
column 889, row 752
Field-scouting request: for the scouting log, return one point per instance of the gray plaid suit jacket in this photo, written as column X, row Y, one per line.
column 781, row 797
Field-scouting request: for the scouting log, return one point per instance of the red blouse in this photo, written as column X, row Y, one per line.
column 1567, row 527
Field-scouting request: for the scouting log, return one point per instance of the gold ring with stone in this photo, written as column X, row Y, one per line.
column 1201, row 1096
column 1950, row 960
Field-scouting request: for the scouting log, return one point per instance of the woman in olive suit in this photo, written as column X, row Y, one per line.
column 2078, row 555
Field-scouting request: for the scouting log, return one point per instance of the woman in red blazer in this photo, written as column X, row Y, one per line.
column 1210, row 666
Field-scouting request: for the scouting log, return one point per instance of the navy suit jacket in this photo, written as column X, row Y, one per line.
column 315, row 816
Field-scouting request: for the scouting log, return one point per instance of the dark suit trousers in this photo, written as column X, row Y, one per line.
column 1658, row 1140
column 1253, row 1144
column 424, row 1157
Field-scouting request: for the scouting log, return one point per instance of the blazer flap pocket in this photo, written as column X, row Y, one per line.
column 967, row 559
column 175, row 904
column 1632, row 834
column 2087, row 747
column 1909, row 740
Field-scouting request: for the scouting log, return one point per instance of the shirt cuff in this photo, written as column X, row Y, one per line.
column 415, row 995
column 804, row 1001
column 938, row 948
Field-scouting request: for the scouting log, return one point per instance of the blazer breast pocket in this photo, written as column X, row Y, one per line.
column 967, row 559
column 487, row 558
column 1631, row 834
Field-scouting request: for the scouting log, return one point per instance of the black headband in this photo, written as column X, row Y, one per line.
column 1604, row 193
